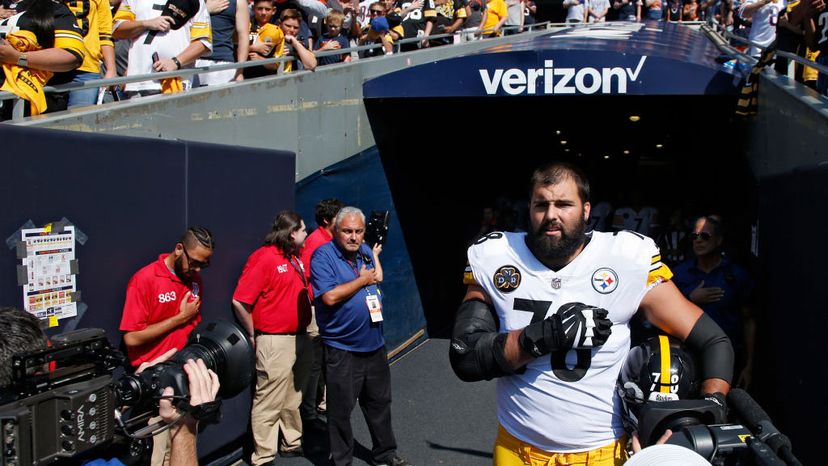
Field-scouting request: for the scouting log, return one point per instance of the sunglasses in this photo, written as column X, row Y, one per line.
column 377, row 12
column 704, row 236
column 194, row 264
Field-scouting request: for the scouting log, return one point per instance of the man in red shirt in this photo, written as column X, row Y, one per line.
column 271, row 301
column 163, row 298
column 313, row 398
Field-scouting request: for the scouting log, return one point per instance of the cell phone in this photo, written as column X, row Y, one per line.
column 155, row 57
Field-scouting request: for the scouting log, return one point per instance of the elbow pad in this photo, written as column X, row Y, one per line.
column 712, row 346
column 476, row 351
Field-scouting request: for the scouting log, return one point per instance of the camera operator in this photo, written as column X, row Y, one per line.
column 21, row 334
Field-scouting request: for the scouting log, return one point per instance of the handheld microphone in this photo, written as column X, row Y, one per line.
column 758, row 421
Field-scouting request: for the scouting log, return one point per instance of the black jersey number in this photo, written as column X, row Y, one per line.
column 151, row 34
column 557, row 358
column 492, row 235
column 81, row 10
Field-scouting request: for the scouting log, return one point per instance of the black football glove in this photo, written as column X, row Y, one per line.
column 574, row 326
column 719, row 402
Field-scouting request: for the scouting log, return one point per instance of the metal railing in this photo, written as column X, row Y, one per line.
column 19, row 103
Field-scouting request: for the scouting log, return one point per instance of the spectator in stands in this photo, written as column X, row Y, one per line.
column 597, row 10
column 514, row 16
column 529, row 11
column 575, row 11
column 95, row 20
column 627, row 10
column 333, row 40
column 722, row 289
column 161, row 42
column 654, row 10
column 473, row 22
column 417, row 20
column 494, row 17
column 44, row 39
column 675, row 8
column 451, row 14
column 690, row 11
column 284, row 43
column 378, row 32
column 229, row 20
column 816, row 39
column 763, row 15
column 262, row 39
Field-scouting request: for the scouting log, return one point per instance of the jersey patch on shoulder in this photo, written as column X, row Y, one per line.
column 507, row 278
column 604, row 280
column 468, row 276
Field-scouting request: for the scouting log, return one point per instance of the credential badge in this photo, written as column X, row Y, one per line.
column 604, row 280
column 507, row 278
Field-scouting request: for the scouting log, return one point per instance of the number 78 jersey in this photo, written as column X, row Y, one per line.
column 566, row 401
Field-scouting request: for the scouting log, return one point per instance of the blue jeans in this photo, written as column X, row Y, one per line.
column 84, row 96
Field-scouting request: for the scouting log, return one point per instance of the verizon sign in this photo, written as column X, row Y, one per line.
column 550, row 80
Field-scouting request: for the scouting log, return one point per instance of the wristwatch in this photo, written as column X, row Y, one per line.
column 23, row 60
column 177, row 63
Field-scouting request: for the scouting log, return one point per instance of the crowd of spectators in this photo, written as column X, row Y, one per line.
column 130, row 37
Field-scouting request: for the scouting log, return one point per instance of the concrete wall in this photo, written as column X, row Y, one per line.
column 790, row 130
column 319, row 116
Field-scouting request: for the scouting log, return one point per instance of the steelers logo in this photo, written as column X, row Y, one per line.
column 604, row 280
column 507, row 278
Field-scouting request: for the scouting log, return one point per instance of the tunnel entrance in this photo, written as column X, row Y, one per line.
column 448, row 159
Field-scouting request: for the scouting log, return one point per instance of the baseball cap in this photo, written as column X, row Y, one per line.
column 667, row 455
column 379, row 24
column 180, row 11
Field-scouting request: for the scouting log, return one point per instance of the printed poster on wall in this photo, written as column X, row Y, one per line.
column 47, row 294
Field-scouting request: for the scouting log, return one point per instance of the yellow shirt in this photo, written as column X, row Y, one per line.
column 95, row 21
column 497, row 10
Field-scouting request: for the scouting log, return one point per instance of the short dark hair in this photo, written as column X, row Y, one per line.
column 260, row 1
column 21, row 333
column 715, row 223
column 291, row 13
column 555, row 172
column 197, row 235
column 283, row 225
column 327, row 209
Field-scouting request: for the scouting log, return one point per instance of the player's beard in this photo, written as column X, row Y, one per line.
column 556, row 252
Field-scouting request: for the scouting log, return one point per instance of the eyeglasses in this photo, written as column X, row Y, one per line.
column 377, row 12
column 704, row 236
column 195, row 264
column 334, row 26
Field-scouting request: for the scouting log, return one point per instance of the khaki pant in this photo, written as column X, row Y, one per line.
column 282, row 365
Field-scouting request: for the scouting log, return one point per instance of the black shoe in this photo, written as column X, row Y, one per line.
column 392, row 461
column 295, row 453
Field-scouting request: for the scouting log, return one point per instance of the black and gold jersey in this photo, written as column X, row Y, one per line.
column 414, row 22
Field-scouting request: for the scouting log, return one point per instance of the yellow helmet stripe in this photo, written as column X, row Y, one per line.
column 664, row 343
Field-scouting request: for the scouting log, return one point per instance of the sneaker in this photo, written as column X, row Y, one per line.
column 295, row 453
column 392, row 461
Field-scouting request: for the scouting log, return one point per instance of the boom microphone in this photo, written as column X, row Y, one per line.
column 758, row 421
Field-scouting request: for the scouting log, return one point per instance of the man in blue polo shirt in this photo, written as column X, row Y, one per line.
column 722, row 289
column 345, row 275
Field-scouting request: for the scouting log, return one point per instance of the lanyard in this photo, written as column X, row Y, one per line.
column 298, row 270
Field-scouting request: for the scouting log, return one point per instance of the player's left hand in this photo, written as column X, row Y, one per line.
column 597, row 330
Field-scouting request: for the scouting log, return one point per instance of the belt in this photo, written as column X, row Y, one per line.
column 260, row 332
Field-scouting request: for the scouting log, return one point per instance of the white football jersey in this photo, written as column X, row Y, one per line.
column 165, row 44
column 641, row 221
column 763, row 23
column 566, row 401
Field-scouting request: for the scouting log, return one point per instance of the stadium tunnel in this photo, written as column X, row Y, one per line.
column 646, row 109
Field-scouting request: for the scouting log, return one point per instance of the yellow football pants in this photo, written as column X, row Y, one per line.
column 509, row 451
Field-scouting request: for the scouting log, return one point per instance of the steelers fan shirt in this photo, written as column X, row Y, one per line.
column 566, row 401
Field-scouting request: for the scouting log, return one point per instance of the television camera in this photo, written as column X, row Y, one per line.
column 64, row 401
column 659, row 385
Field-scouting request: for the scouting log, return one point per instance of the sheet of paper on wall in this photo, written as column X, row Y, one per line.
column 50, row 286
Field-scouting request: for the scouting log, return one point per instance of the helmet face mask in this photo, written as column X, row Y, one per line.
column 659, row 369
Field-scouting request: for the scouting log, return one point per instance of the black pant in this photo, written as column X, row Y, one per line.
column 365, row 376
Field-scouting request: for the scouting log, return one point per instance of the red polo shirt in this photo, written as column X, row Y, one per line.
column 317, row 238
column 277, row 290
column 154, row 294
